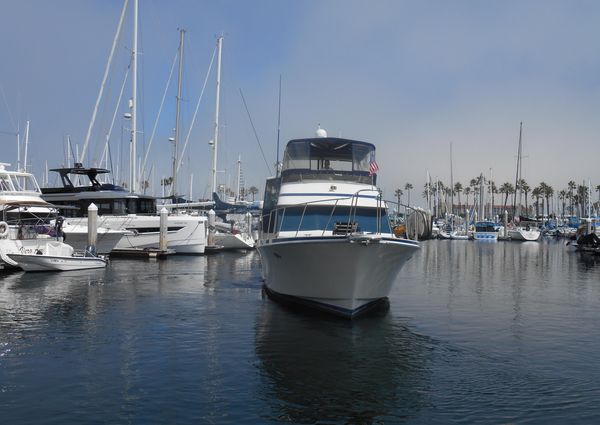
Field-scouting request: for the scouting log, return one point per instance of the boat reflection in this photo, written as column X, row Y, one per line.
column 323, row 370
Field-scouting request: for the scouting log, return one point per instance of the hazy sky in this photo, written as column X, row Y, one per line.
column 410, row 77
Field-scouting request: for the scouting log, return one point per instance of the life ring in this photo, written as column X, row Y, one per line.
column 3, row 229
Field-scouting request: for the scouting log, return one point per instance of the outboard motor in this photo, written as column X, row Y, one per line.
column 90, row 251
column 58, row 227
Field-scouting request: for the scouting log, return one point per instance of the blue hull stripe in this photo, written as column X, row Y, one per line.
column 338, row 239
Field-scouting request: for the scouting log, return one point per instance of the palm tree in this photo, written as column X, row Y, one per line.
column 536, row 193
column 253, row 191
column 408, row 187
column 525, row 189
column 598, row 190
column 467, row 191
column 582, row 197
column 506, row 189
column 398, row 193
column 458, row 188
column 562, row 195
column 548, row 193
column 571, row 186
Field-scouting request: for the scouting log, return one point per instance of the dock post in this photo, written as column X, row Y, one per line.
column 211, row 228
column 505, row 224
column 92, row 228
column 162, row 240
column 249, row 223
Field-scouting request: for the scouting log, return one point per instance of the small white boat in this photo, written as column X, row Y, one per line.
column 485, row 231
column 524, row 233
column 57, row 256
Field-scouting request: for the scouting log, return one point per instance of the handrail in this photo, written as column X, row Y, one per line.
column 276, row 221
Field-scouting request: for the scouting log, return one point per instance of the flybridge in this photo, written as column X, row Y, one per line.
column 316, row 158
column 78, row 169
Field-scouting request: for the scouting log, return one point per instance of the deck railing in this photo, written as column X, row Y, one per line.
column 276, row 217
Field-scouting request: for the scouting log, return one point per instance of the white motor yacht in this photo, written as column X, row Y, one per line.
column 119, row 209
column 326, row 240
column 26, row 228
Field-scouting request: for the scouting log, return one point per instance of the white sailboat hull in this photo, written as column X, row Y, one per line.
column 520, row 234
column 233, row 241
column 339, row 274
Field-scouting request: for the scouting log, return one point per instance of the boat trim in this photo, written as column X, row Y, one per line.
column 341, row 238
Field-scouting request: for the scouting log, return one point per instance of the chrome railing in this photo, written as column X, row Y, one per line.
column 276, row 217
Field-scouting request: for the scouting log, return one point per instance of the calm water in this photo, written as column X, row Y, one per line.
column 475, row 333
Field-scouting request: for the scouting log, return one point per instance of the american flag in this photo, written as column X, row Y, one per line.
column 373, row 167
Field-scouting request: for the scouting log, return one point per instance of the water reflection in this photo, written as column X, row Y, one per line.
column 318, row 369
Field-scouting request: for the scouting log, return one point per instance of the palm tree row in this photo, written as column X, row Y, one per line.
column 573, row 198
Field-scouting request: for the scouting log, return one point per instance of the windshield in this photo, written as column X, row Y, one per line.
column 328, row 154
column 328, row 217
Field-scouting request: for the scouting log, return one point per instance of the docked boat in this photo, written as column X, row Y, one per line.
column 56, row 256
column 521, row 230
column 486, row 231
column 233, row 240
column 28, row 224
column 119, row 209
column 524, row 232
column 325, row 238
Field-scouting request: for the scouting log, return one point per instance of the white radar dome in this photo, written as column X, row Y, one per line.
column 320, row 132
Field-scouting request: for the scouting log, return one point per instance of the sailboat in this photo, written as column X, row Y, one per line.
column 225, row 237
column 120, row 208
column 521, row 230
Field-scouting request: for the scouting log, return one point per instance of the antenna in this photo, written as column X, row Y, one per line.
column 278, row 128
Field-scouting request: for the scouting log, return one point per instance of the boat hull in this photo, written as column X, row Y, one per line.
column 233, row 241
column 485, row 236
column 39, row 263
column 524, row 235
column 338, row 274
column 188, row 236
column 106, row 239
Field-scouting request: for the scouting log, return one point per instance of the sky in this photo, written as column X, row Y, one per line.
column 411, row 77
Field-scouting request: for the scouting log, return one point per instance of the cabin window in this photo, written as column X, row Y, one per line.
column 325, row 217
column 104, row 208
column 132, row 207
column 119, row 207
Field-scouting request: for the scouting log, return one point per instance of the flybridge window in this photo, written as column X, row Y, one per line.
column 5, row 184
column 26, row 182
column 17, row 182
column 328, row 154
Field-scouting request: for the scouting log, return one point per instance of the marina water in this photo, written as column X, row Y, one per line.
column 474, row 333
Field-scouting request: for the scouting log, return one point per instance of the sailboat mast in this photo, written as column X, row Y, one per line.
column 278, row 129
column 216, row 137
column 451, row 183
column 133, row 162
column 239, row 177
column 26, row 146
column 103, row 84
column 178, row 113
column 518, row 176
